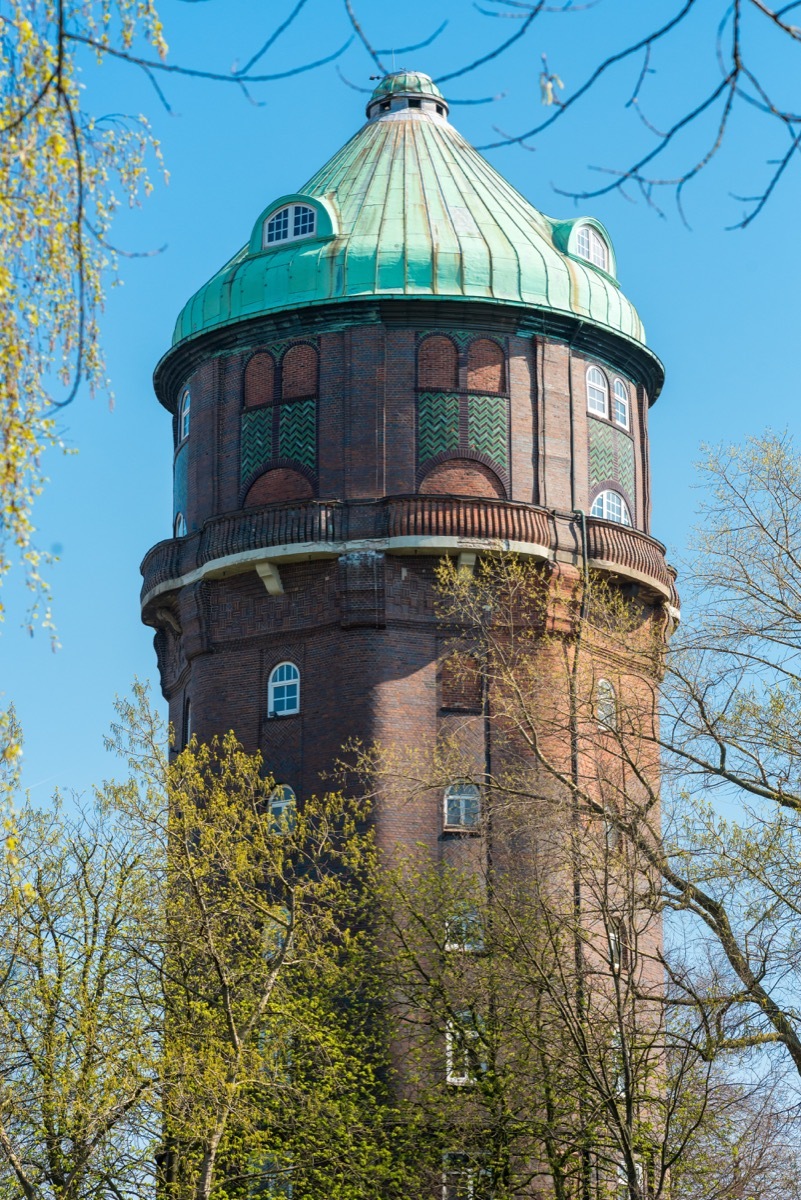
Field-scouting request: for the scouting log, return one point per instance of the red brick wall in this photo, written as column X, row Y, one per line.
column 437, row 365
column 259, row 379
column 485, row 367
column 462, row 477
column 281, row 484
column 299, row 372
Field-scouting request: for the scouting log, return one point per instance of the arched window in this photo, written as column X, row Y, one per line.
column 283, row 690
column 183, row 424
column 612, row 507
column 293, row 221
column 620, row 403
column 437, row 365
column 591, row 246
column 462, row 805
column 282, row 808
column 259, row 377
column 179, row 525
column 485, row 367
column 597, row 392
column 299, row 372
column 606, row 704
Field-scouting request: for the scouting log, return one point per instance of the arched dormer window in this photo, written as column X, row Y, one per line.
column 597, row 392
column 606, row 704
column 283, row 690
column 183, row 422
column 611, row 506
column 592, row 247
column 620, row 403
column 179, row 525
column 289, row 223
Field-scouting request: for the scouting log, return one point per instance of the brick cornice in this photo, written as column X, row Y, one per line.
column 584, row 336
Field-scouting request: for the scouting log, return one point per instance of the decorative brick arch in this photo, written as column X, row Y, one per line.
column 455, row 475
column 437, row 364
column 486, row 366
column 259, row 380
column 299, row 371
column 281, row 482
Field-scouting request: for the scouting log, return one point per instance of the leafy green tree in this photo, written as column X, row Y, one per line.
column 79, row 1047
column 275, row 1072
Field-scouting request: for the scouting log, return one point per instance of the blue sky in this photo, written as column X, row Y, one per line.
column 720, row 307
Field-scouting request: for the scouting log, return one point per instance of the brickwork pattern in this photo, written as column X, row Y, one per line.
column 437, row 364
column 488, row 427
column 438, row 424
column 257, row 440
column 611, row 456
column 259, row 379
column 297, row 432
column 299, row 371
column 486, row 366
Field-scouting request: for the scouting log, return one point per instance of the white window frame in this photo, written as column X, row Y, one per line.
column 606, row 704
column 466, row 793
column 464, row 933
column 458, row 1038
column 184, row 418
column 597, row 383
column 616, row 939
column 592, row 247
column 179, row 525
column 283, row 798
column 459, row 1177
column 621, row 404
column 296, row 215
column 283, row 679
column 607, row 503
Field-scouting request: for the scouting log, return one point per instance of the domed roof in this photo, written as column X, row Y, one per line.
column 407, row 208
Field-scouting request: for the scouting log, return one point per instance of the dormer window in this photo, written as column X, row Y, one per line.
column 592, row 247
column 293, row 221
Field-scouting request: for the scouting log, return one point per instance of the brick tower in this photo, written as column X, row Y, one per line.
column 406, row 360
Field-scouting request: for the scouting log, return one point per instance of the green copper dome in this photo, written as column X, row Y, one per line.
column 407, row 208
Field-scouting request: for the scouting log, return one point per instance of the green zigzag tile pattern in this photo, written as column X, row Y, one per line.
column 625, row 462
column 602, row 453
column 488, row 427
column 437, row 424
column 297, row 432
column 257, row 440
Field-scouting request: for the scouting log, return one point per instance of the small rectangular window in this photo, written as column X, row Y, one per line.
column 463, row 1058
column 414, row 102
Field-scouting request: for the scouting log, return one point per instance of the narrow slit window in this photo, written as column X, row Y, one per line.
column 179, row 526
column 184, row 421
column 606, row 705
column 620, row 409
column 597, row 392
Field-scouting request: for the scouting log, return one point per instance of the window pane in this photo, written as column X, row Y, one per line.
column 304, row 221
column 278, row 226
column 621, row 406
column 596, row 391
column 583, row 242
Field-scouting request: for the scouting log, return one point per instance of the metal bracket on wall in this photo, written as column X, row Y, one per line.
column 270, row 577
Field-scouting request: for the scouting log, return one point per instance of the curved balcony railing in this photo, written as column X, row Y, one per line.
column 470, row 520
